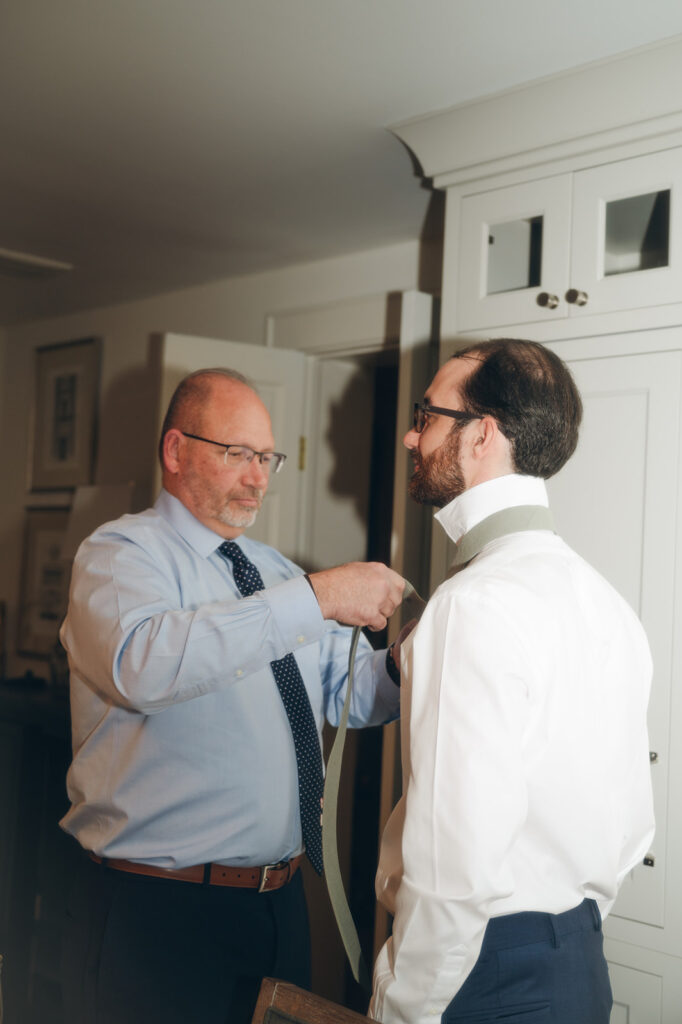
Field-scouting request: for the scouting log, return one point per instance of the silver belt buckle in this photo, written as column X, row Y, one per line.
column 265, row 873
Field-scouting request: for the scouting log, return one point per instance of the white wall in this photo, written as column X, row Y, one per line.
column 235, row 309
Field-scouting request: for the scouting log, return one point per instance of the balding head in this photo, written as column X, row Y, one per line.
column 211, row 410
column 190, row 396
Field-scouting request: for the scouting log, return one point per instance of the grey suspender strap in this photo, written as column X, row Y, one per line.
column 330, row 853
column 499, row 524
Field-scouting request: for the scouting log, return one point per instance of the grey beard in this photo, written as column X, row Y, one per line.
column 239, row 520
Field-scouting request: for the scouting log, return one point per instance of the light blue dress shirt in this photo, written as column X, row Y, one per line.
column 182, row 750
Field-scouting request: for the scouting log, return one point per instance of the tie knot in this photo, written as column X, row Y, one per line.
column 245, row 573
column 231, row 550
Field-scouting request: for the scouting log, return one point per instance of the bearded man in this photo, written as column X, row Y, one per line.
column 525, row 750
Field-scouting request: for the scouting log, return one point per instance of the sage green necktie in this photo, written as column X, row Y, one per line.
column 330, row 852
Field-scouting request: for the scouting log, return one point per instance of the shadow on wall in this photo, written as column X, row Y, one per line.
column 349, row 438
column 127, row 439
column 431, row 245
column 352, row 470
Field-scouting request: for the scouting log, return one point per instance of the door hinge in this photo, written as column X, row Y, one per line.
column 301, row 452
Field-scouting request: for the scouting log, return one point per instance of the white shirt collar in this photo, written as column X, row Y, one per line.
column 474, row 505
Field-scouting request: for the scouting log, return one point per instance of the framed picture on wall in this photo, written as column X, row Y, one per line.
column 64, row 415
column 44, row 587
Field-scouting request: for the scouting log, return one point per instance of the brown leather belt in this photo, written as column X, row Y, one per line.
column 265, row 879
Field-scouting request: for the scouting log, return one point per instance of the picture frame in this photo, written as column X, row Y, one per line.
column 45, row 577
column 64, row 411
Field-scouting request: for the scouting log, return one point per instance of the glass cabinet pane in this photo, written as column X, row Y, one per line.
column 514, row 255
column 637, row 233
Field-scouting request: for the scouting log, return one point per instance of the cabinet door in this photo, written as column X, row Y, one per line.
column 637, row 995
column 647, row 986
column 514, row 251
column 627, row 234
column 615, row 503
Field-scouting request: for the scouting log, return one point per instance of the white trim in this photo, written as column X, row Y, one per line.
column 633, row 96
column 352, row 327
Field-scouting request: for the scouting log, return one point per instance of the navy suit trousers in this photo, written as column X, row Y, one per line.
column 538, row 969
column 141, row 950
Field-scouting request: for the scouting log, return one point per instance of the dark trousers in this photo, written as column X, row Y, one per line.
column 143, row 950
column 538, row 969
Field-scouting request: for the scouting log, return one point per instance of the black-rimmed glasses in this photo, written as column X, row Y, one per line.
column 238, row 454
column 422, row 412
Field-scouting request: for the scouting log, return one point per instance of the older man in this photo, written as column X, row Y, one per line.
column 526, row 757
column 202, row 666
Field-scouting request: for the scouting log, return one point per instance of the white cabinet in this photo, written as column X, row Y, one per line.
column 615, row 502
column 597, row 240
column 647, row 986
column 637, row 995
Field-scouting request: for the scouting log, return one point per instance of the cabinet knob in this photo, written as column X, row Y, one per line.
column 653, row 757
column 576, row 297
column 547, row 300
column 649, row 860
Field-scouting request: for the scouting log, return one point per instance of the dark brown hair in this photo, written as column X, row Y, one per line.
column 531, row 394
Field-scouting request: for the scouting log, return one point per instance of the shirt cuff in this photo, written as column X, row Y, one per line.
column 391, row 667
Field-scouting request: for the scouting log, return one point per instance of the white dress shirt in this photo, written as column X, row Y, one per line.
column 525, row 754
column 182, row 749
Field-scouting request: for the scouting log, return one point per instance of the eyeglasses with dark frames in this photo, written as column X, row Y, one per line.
column 238, row 454
column 422, row 412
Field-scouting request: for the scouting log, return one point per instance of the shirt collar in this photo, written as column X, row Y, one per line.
column 474, row 505
column 200, row 537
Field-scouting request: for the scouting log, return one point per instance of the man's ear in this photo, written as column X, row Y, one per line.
column 490, row 449
column 172, row 443
column 486, row 437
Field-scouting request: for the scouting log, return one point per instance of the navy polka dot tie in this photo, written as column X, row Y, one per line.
column 299, row 712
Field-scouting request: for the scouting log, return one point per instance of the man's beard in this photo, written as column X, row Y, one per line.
column 213, row 502
column 239, row 517
column 438, row 477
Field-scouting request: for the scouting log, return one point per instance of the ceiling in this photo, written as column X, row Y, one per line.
column 157, row 144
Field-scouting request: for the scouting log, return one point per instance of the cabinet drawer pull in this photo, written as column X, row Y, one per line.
column 576, row 297
column 547, row 300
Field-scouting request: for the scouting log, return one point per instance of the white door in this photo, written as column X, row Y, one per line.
column 280, row 378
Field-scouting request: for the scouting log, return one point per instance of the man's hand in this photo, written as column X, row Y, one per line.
column 358, row 593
